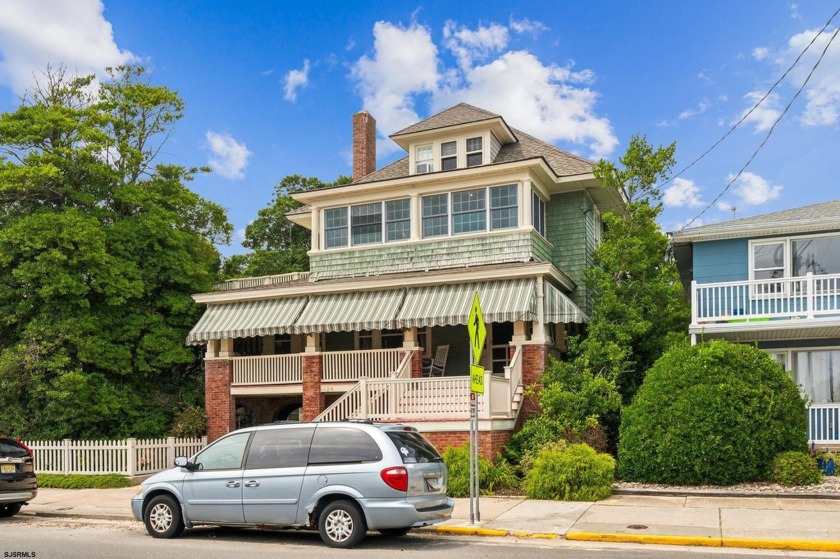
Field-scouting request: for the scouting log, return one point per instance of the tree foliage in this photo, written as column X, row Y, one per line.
column 278, row 245
column 101, row 247
column 640, row 306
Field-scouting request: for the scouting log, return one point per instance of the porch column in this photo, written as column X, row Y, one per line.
column 519, row 334
column 315, row 241
column 416, row 231
column 219, row 405
column 417, row 363
column 312, row 371
column 212, row 349
column 538, row 330
column 226, row 348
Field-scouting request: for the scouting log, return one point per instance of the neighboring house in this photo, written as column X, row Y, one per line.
column 774, row 280
column 396, row 258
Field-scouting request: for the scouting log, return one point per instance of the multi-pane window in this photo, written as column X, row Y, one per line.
column 469, row 212
column 366, row 223
column 398, row 220
column 474, row 152
column 423, row 159
column 504, row 209
column 819, row 255
column 435, row 215
column 538, row 213
column 335, row 227
column 768, row 261
column 448, row 156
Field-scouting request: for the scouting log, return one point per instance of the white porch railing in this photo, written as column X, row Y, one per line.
column 809, row 296
column 248, row 283
column 128, row 457
column 824, row 424
column 353, row 365
column 267, row 369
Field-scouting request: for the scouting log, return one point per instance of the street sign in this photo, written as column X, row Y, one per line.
column 477, row 379
column 477, row 330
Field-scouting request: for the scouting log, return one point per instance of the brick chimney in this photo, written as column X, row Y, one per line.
column 364, row 144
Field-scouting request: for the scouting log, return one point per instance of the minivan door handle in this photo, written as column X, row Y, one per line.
column 252, row 483
column 232, row 483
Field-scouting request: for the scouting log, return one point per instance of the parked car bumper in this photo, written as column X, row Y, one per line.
column 17, row 496
column 383, row 514
column 137, row 506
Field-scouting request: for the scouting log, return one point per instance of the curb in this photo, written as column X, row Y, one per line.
column 80, row 515
column 747, row 543
column 468, row 531
column 712, row 493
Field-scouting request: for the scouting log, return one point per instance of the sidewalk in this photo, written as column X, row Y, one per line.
column 771, row 522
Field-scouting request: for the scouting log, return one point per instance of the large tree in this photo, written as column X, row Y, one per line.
column 278, row 245
column 101, row 247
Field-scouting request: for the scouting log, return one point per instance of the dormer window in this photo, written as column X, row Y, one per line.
column 448, row 156
column 474, row 152
column 423, row 159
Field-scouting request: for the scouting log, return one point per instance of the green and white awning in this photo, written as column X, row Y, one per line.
column 350, row 312
column 448, row 305
column 247, row 318
column 557, row 307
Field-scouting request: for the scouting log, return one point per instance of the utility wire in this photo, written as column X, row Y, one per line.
column 772, row 128
column 754, row 107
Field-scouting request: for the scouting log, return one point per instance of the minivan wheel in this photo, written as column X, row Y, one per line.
column 394, row 532
column 341, row 524
column 10, row 509
column 163, row 517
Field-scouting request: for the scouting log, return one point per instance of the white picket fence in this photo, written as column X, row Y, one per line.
column 129, row 457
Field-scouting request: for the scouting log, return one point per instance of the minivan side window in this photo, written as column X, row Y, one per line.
column 279, row 448
column 224, row 454
column 343, row 445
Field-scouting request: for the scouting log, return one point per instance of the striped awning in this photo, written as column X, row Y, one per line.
column 248, row 318
column 349, row 312
column 448, row 305
column 557, row 307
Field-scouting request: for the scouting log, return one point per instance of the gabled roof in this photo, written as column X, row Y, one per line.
column 816, row 217
column 462, row 113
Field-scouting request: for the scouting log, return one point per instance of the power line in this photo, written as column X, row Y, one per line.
column 754, row 107
column 772, row 128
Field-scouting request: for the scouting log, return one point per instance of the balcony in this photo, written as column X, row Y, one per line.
column 772, row 309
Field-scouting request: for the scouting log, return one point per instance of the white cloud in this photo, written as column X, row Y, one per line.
column 36, row 32
column 704, row 77
column 227, row 156
column 525, row 25
column 765, row 114
column 754, row 190
column 683, row 193
column 725, row 206
column 822, row 106
column 468, row 45
column 296, row 79
column 701, row 108
column 760, row 53
column 550, row 101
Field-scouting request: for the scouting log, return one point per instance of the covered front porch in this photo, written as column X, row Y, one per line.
column 361, row 355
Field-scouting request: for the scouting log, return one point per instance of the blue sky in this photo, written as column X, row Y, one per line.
column 270, row 87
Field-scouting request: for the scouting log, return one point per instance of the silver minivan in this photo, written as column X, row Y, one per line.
column 341, row 478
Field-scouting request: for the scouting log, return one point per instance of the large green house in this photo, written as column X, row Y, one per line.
column 377, row 328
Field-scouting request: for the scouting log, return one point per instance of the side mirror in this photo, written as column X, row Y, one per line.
column 182, row 462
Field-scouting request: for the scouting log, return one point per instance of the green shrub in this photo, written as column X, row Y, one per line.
column 490, row 476
column 795, row 468
column 530, row 456
column 82, row 481
column 191, row 422
column 574, row 473
column 715, row 413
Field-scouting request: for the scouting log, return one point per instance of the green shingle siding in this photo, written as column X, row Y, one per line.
column 453, row 252
column 571, row 231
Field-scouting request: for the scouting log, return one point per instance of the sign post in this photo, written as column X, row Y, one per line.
column 478, row 332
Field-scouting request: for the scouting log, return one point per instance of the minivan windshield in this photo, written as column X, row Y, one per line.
column 413, row 448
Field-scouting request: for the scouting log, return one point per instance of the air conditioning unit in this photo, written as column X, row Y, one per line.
column 424, row 168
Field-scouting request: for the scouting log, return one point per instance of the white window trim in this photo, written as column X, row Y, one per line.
column 544, row 233
column 788, row 244
column 349, row 227
column 487, row 212
column 430, row 161
column 481, row 151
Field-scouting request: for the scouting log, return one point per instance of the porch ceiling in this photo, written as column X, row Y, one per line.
column 819, row 328
column 247, row 318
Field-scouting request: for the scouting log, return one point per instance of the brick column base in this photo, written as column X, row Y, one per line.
column 218, row 403
column 313, row 399
column 534, row 359
column 417, row 364
column 490, row 443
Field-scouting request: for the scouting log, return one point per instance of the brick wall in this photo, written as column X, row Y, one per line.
column 218, row 403
column 490, row 443
column 534, row 359
column 313, row 399
column 417, row 364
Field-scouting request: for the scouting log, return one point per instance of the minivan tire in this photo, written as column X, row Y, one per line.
column 10, row 509
column 163, row 517
column 341, row 525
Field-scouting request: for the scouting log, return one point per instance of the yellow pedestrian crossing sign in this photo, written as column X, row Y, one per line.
column 476, row 329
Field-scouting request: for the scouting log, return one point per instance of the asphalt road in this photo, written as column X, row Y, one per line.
column 54, row 538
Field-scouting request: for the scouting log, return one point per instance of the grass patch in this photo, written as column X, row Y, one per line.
column 82, row 481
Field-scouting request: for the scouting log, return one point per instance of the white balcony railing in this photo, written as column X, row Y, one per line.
column 824, row 424
column 809, row 296
column 262, row 281
column 352, row 365
column 267, row 369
